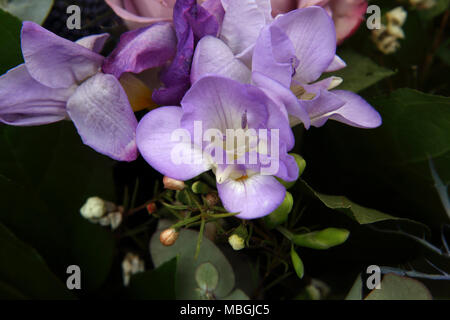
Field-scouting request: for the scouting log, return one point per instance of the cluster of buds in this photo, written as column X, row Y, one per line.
column 105, row 213
column 386, row 38
column 131, row 264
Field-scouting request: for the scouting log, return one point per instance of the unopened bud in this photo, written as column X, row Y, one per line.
column 131, row 264
column 168, row 237
column 173, row 184
column 95, row 208
column 396, row 16
column 151, row 208
column 212, row 199
column 236, row 242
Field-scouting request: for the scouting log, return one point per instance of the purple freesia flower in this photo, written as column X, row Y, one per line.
column 61, row 80
column 224, row 106
column 155, row 46
column 284, row 57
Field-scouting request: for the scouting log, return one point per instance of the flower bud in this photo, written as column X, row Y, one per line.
column 168, row 237
column 237, row 239
column 212, row 199
column 200, row 187
column 173, row 184
column 95, row 208
column 396, row 16
column 280, row 214
column 131, row 264
column 322, row 239
column 151, row 208
column 236, row 242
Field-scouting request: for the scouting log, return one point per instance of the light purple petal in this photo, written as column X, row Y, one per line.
column 215, row 8
column 94, row 43
column 312, row 33
column 154, row 140
column 254, row 197
column 142, row 49
column 242, row 24
column 26, row 102
column 100, row 110
column 356, row 111
column 55, row 61
column 213, row 56
column 288, row 170
column 220, row 103
column 322, row 106
column 282, row 95
column 336, row 64
column 274, row 55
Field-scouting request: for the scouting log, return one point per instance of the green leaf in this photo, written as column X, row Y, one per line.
column 394, row 287
column 360, row 73
column 185, row 248
column 321, row 240
column 207, row 277
column 27, row 10
column 24, row 274
column 437, row 9
column 297, row 263
column 46, row 174
column 358, row 213
column 10, row 52
column 280, row 214
column 157, row 284
column 355, row 292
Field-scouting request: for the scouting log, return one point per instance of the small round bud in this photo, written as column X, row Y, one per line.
column 173, row 184
column 212, row 199
column 168, row 237
column 94, row 208
column 151, row 208
column 236, row 242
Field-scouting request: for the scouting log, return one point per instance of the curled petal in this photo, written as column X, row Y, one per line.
column 322, row 106
column 173, row 157
column 312, row 33
column 274, row 55
column 103, row 117
column 95, row 42
column 213, row 56
column 142, row 49
column 55, row 61
column 356, row 111
column 336, row 64
column 26, row 102
column 254, row 197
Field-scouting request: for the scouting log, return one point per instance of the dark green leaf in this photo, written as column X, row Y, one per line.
column 10, row 52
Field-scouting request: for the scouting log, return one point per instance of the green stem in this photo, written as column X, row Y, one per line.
column 180, row 224
column 200, row 238
column 285, row 232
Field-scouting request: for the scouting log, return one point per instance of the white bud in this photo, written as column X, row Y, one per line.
column 94, row 208
column 395, row 31
column 131, row 264
column 236, row 242
column 396, row 16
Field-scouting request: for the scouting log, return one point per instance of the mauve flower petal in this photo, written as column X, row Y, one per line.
column 322, row 106
column 288, row 170
column 213, row 56
column 241, row 25
column 216, row 9
column 154, row 140
column 282, row 95
column 55, row 61
column 100, row 110
column 192, row 22
column 312, row 33
column 220, row 103
column 274, row 55
column 347, row 15
column 94, row 43
column 26, row 102
column 142, row 49
column 356, row 111
column 135, row 19
column 254, row 197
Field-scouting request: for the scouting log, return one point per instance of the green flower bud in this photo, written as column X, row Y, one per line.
column 301, row 164
column 321, row 240
column 281, row 213
column 200, row 187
